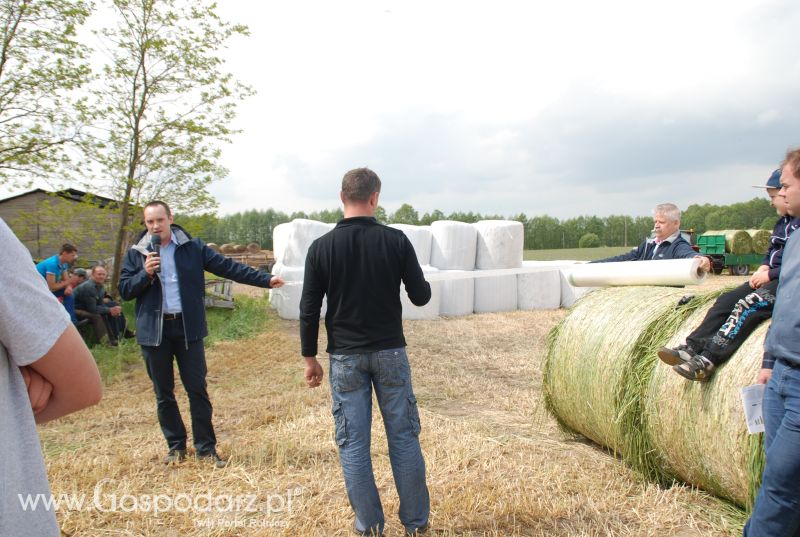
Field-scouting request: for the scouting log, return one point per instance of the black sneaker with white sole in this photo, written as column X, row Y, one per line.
column 698, row 368
column 676, row 356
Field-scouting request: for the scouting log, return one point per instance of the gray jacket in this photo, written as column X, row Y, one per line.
column 783, row 339
column 89, row 297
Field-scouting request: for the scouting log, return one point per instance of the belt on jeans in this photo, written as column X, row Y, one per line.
column 172, row 316
column 790, row 363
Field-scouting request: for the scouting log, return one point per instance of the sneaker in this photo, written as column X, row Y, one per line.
column 175, row 456
column 213, row 457
column 679, row 355
column 697, row 368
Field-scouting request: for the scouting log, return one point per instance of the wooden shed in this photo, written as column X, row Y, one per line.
column 44, row 220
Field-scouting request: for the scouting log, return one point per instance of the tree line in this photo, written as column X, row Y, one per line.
column 541, row 232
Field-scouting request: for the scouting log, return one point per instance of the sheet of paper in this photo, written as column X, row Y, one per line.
column 752, row 396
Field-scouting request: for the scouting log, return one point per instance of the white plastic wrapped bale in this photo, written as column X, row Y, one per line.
column 540, row 290
column 429, row 311
column 453, row 245
column 569, row 293
column 500, row 244
column 495, row 293
column 286, row 299
column 280, row 237
column 420, row 238
column 458, row 295
column 291, row 243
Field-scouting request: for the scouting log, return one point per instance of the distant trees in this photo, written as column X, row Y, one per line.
column 589, row 240
column 541, row 232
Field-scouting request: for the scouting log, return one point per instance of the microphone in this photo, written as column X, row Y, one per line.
column 155, row 246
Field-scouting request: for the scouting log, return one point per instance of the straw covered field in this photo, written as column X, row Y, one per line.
column 497, row 462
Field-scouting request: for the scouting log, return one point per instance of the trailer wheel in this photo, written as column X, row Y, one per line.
column 739, row 270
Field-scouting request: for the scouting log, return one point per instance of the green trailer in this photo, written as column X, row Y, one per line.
column 737, row 264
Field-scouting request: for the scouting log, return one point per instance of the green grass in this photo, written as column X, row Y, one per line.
column 579, row 254
column 249, row 317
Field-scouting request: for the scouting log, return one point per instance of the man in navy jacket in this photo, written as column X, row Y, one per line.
column 169, row 288
column 667, row 243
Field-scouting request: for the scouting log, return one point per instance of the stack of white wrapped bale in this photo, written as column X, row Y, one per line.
column 459, row 257
column 499, row 246
column 453, row 250
column 290, row 243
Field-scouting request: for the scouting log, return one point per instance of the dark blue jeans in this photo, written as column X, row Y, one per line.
column 352, row 378
column 192, row 368
column 777, row 508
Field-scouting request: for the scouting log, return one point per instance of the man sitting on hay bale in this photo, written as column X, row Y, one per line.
column 667, row 242
column 776, row 509
column 738, row 312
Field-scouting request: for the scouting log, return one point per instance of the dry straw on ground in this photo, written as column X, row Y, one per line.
column 497, row 463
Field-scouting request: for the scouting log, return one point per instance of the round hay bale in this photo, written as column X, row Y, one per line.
column 738, row 241
column 254, row 248
column 761, row 240
column 698, row 429
column 226, row 248
column 214, row 246
column 593, row 353
column 241, row 248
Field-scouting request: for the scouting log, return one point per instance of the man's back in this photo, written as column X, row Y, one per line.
column 359, row 265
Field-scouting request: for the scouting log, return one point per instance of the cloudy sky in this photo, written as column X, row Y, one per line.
column 565, row 108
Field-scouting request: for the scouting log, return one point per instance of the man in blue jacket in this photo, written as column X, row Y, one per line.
column 168, row 283
column 667, row 242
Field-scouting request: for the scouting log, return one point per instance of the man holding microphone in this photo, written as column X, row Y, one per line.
column 169, row 288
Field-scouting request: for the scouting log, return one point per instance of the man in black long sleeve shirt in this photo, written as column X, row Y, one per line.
column 359, row 265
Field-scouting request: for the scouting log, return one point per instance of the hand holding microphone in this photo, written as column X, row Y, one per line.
column 153, row 262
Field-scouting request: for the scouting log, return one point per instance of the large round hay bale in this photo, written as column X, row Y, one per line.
column 594, row 352
column 738, row 241
column 698, row 429
column 214, row 246
column 226, row 248
column 254, row 248
column 239, row 248
column 761, row 240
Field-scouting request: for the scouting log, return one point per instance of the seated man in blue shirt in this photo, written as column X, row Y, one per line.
column 667, row 242
column 54, row 270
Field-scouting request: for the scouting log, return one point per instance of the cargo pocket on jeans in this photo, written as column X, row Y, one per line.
column 340, row 424
column 413, row 415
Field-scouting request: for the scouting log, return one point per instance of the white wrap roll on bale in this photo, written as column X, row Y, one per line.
column 429, row 311
column 500, row 244
column 453, row 245
column 420, row 238
column 662, row 272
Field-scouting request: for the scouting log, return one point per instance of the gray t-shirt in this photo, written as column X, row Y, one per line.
column 31, row 320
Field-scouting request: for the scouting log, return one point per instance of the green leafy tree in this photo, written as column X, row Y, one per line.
column 166, row 106
column 41, row 66
column 405, row 214
column 380, row 215
column 429, row 218
column 589, row 240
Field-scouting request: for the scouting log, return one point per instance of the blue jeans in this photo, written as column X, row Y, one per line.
column 352, row 377
column 777, row 508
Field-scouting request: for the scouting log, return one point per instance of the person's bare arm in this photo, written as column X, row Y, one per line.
column 70, row 368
